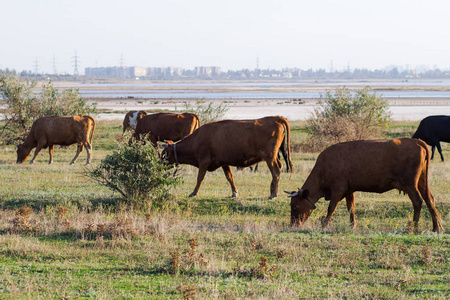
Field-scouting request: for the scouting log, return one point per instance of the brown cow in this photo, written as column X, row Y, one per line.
column 131, row 119
column 166, row 126
column 49, row 131
column 232, row 143
column 366, row 166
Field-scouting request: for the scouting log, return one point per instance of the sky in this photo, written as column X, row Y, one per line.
column 231, row 34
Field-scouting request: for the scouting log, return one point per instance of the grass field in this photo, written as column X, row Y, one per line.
column 78, row 242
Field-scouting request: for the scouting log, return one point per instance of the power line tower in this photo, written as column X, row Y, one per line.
column 121, row 66
column 121, row 61
column 76, row 61
column 54, row 65
column 36, row 66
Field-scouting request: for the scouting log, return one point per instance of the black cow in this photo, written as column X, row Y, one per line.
column 433, row 130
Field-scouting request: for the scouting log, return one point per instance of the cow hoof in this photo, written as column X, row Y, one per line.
column 234, row 195
column 192, row 195
column 272, row 196
column 437, row 229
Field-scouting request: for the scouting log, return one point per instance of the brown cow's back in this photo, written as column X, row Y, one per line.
column 65, row 130
column 236, row 141
column 167, row 126
column 58, row 130
column 239, row 143
column 383, row 162
column 367, row 166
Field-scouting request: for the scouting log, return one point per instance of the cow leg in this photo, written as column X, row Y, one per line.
column 351, row 208
column 79, row 149
column 36, row 152
column 438, row 145
column 201, row 174
column 229, row 176
column 429, row 200
column 88, row 150
column 336, row 197
column 417, row 205
column 275, row 171
column 50, row 152
column 433, row 147
column 154, row 141
column 284, row 153
column 331, row 209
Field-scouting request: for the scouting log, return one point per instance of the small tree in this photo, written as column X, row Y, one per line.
column 137, row 173
column 345, row 116
column 19, row 99
column 207, row 113
column 24, row 106
column 66, row 103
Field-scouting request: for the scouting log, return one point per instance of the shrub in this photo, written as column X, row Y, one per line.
column 207, row 113
column 24, row 106
column 137, row 173
column 66, row 103
column 345, row 116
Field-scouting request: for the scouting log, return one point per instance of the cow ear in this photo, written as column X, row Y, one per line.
column 305, row 193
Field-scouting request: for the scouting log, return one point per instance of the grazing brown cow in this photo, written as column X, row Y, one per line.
column 166, row 126
column 131, row 119
column 49, row 131
column 366, row 166
column 232, row 143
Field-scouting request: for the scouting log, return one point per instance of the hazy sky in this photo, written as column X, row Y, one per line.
column 231, row 34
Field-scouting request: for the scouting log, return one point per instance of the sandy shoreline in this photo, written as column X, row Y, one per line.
column 402, row 109
column 112, row 106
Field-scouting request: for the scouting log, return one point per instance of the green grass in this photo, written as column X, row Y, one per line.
column 99, row 249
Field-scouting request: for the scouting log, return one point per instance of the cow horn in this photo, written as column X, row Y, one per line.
column 292, row 193
column 15, row 144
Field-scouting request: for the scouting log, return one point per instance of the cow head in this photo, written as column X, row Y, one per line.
column 22, row 153
column 301, row 206
column 168, row 152
column 141, row 114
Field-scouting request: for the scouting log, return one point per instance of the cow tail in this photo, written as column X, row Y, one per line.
column 288, row 143
column 93, row 128
column 197, row 125
column 427, row 186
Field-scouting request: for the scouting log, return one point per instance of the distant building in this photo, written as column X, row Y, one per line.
column 168, row 72
column 116, row 72
column 138, row 72
column 207, row 72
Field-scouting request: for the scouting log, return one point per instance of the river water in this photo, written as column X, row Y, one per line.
column 262, row 90
column 409, row 100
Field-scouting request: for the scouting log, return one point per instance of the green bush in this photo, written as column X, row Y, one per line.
column 137, row 173
column 24, row 106
column 346, row 116
column 207, row 113
column 66, row 103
